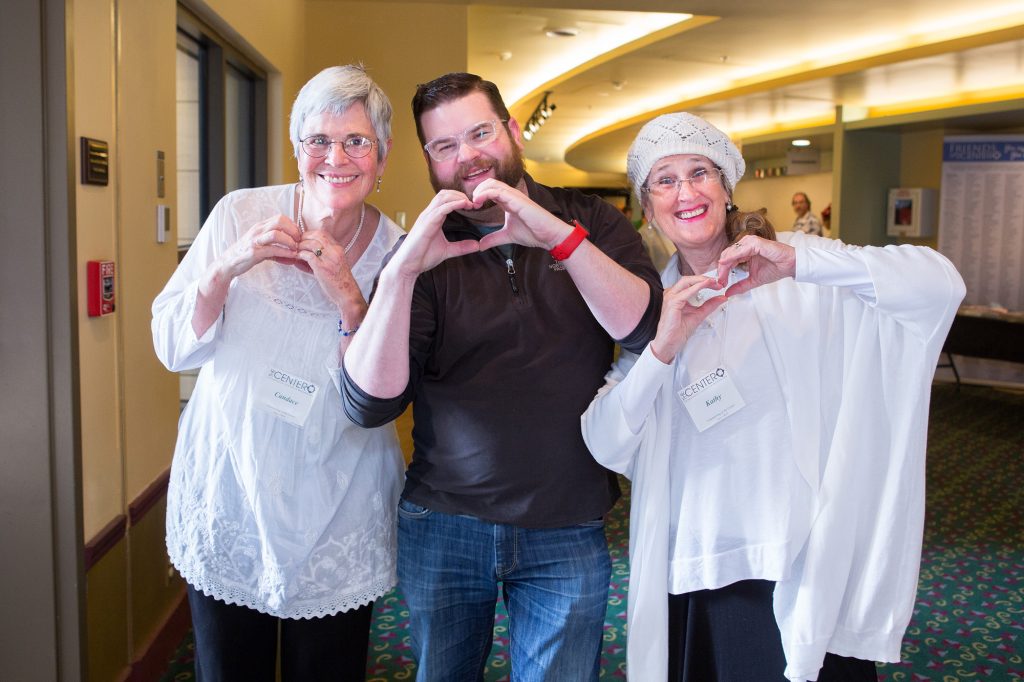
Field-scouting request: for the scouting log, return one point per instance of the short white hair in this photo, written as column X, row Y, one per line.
column 333, row 91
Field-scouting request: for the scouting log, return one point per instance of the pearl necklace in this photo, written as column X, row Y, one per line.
column 359, row 227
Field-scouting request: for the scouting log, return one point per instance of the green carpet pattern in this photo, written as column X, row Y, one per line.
column 968, row 623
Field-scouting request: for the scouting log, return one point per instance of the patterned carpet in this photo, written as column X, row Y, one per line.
column 969, row 619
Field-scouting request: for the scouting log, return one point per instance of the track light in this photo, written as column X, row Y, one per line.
column 539, row 116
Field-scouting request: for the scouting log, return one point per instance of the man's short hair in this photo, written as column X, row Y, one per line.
column 453, row 86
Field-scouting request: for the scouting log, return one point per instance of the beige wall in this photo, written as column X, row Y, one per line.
column 398, row 55
column 146, row 124
column 96, row 212
column 776, row 195
column 429, row 41
column 123, row 57
column 921, row 166
column 124, row 60
column 107, row 635
column 123, row 70
column 564, row 175
column 272, row 34
column 129, row 410
column 921, row 158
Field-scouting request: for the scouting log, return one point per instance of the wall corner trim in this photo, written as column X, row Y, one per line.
column 104, row 541
column 113, row 532
column 153, row 493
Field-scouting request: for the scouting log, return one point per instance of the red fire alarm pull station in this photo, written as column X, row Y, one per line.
column 100, row 289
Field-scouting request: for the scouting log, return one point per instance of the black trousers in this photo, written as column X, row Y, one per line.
column 730, row 635
column 238, row 643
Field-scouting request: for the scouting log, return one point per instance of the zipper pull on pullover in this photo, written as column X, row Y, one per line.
column 511, row 269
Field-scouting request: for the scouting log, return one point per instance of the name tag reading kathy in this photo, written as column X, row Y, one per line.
column 711, row 398
column 285, row 395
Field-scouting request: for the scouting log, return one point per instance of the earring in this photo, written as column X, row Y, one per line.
column 378, row 184
column 729, row 207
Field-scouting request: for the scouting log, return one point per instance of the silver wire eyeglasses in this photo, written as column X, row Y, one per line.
column 667, row 185
column 477, row 136
column 319, row 146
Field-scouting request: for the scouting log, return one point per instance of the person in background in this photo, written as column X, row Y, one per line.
column 826, row 221
column 497, row 318
column 774, row 433
column 805, row 220
column 280, row 511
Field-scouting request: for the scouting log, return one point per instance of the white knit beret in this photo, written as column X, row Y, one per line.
column 681, row 133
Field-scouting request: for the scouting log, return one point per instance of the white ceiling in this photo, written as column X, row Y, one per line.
column 753, row 67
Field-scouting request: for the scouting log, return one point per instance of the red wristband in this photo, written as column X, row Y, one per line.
column 569, row 244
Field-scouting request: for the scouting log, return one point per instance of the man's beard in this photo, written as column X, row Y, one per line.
column 508, row 169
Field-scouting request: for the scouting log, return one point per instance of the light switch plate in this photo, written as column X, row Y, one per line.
column 163, row 222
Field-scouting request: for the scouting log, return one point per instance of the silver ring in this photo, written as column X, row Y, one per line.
column 319, row 252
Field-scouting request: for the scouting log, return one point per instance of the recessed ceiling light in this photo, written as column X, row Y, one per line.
column 505, row 56
column 561, row 32
column 801, row 143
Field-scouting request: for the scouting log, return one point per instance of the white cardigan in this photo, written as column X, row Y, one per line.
column 865, row 353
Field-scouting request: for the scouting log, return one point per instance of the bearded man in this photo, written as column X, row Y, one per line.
column 497, row 317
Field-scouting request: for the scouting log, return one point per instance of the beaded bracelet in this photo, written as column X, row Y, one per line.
column 346, row 332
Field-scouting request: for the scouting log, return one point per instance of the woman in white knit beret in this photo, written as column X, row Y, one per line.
column 774, row 432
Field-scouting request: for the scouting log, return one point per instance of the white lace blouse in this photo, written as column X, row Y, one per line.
column 290, row 512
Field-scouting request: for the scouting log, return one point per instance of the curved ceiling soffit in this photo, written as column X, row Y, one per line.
column 523, row 106
column 585, row 153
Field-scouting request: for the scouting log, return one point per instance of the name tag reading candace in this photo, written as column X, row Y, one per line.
column 285, row 395
column 711, row 398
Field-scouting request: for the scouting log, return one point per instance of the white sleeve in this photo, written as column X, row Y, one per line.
column 174, row 340
column 915, row 285
column 618, row 418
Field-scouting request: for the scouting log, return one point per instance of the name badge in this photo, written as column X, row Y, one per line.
column 711, row 398
column 285, row 395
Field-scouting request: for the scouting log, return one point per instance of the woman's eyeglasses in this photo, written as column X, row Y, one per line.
column 669, row 185
column 319, row 146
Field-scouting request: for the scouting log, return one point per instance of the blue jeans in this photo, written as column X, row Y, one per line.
column 554, row 584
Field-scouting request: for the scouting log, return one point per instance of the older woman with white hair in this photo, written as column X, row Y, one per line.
column 774, row 431
column 280, row 511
